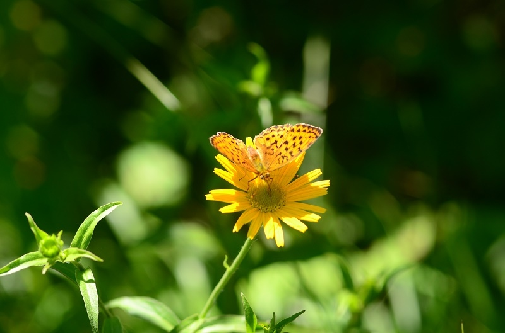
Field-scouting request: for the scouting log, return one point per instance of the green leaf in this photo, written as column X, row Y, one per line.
column 85, row 232
column 223, row 324
column 293, row 102
column 89, row 294
column 73, row 253
column 250, row 87
column 250, row 317
column 188, row 324
column 280, row 326
column 112, row 325
column 271, row 327
column 149, row 309
column 37, row 232
column 65, row 269
column 28, row 260
column 346, row 274
column 193, row 327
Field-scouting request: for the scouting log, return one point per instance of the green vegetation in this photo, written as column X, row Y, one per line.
column 114, row 101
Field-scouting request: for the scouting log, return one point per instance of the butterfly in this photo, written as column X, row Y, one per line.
column 273, row 148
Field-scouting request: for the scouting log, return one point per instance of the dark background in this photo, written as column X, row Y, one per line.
column 410, row 96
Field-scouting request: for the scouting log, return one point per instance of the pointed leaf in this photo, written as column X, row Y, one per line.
column 112, row 325
column 280, row 326
column 39, row 234
column 250, row 317
column 73, row 253
column 28, row 260
column 272, row 324
column 85, row 232
column 89, row 295
column 149, row 309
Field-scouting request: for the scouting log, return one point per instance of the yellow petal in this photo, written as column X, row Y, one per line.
column 226, row 195
column 235, row 207
column 269, row 227
column 290, row 211
column 305, row 179
column 279, row 235
column 235, row 178
column 308, row 191
column 284, row 175
column 254, row 227
column 304, row 206
column 295, row 223
column 226, row 175
column 226, row 163
column 245, row 217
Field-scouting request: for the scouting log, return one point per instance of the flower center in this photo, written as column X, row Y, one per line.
column 266, row 196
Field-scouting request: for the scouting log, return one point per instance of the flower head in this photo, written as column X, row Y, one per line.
column 267, row 200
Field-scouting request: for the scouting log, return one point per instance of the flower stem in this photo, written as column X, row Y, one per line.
column 226, row 277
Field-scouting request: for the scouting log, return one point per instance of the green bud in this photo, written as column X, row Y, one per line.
column 51, row 246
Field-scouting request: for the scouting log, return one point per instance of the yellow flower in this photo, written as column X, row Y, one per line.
column 265, row 201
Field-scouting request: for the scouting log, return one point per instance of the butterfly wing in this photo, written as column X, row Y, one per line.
column 280, row 144
column 233, row 149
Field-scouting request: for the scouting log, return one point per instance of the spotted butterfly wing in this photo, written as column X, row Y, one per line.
column 233, row 149
column 280, row 144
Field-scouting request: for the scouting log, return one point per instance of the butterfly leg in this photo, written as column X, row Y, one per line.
column 249, row 182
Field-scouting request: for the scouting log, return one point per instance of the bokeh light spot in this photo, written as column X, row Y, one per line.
column 47, row 314
column 43, row 96
column 213, row 26
column 22, row 142
column 29, row 173
column 152, row 174
column 410, row 41
column 2, row 36
column 479, row 33
column 50, row 37
column 25, row 15
column 41, row 99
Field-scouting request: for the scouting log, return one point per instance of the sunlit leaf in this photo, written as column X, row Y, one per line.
column 73, row 253
column 85, row 232
column 25, row 261
column 89, row 294
column 149, row 309
column 38, row 233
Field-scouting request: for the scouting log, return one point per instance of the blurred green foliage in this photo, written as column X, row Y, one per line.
column 115, row 100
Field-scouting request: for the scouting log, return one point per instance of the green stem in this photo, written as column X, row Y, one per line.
column 226, row 277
